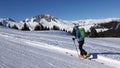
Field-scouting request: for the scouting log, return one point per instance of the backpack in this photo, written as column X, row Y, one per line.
column 82, row 32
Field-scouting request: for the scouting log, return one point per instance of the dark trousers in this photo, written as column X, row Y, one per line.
column 82, row 51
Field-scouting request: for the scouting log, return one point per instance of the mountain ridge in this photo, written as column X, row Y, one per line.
column 46, row 21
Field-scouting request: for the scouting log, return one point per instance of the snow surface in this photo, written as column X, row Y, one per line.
column 53, row 49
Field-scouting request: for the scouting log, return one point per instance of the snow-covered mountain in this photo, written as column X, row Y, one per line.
column 7, row 22
column 44, row 21
column 39, row 20
column 47, row 21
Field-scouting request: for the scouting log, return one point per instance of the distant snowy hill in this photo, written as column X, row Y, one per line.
column 7, row 22
column 44, row 21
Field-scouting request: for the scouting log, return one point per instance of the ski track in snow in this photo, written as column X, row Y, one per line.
column 38, row 50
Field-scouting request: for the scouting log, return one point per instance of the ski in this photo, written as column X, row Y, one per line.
column 89, row 57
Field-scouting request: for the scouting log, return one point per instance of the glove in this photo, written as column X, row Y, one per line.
column 73, row 38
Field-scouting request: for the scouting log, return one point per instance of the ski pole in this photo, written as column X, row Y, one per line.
column 76, row 48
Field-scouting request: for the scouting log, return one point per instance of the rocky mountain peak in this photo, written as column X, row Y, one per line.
column 44, row 16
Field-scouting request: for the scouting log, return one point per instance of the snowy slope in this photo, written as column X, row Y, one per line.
column 47, row 49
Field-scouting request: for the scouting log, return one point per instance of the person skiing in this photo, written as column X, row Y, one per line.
column 80, row 35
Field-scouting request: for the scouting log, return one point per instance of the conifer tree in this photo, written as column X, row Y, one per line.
column 25, row 27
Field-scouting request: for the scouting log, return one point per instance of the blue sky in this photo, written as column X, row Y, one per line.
column 63, row 9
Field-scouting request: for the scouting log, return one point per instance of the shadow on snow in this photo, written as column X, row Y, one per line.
column 95, row 55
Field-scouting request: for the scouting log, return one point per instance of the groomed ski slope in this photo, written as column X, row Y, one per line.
column 47, row 49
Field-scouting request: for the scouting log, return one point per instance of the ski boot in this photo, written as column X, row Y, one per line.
column 82, row 56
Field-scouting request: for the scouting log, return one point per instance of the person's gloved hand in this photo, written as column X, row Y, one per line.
column 73, row 38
